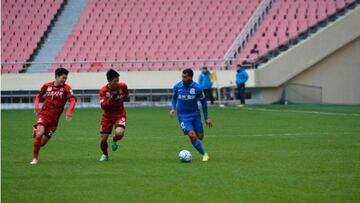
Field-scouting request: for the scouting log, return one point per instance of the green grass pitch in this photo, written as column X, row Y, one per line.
column 276, row 153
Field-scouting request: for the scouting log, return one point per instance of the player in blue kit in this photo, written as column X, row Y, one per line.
column 186, row 95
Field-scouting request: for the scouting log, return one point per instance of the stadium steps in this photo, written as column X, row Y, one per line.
column 308, row 52
column 288, row 23
column 57, row 35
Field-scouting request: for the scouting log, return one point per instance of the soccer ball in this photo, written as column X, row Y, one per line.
column 185, row 156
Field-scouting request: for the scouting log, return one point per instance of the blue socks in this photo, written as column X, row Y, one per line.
column 198, row 147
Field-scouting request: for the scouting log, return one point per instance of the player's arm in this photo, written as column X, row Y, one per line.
column 243, row 77
column 38, row 98
column 72, row 104
column 246, row 76
column 125, row 93
column 202, row 99
column 200, row 79
column 173, row 101
column 105, row 102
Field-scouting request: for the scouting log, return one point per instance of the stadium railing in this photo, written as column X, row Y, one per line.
column 129, row 65
column 250, row 27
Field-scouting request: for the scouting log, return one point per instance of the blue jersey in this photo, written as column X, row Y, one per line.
column 186, row 97
column 205, row 80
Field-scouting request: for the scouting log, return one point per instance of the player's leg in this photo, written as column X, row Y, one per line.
column 199, row 130
column 49, row 131
column 242, row 95
column 200, row 136
column 188, row 129
column 196, row 142
column 206, row 92
column 104, row 147
column 119, row 132
column 39, row 132
column 105, row 131
column 211, row 96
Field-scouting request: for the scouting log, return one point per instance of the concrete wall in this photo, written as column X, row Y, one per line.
column 310, row 51
column 271, row 95
column 134, row 80
column 338, row 75
column 328, row 59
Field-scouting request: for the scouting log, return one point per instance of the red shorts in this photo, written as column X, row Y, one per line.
column 107, row 123
column 49, row 123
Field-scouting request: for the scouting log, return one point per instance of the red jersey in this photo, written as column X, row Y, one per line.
column 113, row 107
column 55, row 99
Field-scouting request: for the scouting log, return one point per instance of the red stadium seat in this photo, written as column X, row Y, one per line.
column 157, row 30
column 287, row 20
column 23, row 25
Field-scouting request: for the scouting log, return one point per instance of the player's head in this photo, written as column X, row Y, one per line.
column 61, row 76
column 187, row 76
column 113, row 78
column 238, row 66
column 204, row 69
column 242, row 65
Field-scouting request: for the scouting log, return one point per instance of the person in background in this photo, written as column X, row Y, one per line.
column 206, row 84
column 241, row 78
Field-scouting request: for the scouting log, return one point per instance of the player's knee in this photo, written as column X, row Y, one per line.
column 44, row 141
column 192, row 136
column 200, row 136
column 39, row 132
column 103, row 138
column 119, row 133
column 119, row 130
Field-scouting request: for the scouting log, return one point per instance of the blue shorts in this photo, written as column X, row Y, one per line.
column 191, row 123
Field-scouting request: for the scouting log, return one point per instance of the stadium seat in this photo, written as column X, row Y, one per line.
column 23, row 25
column 156, row 30
column 287, row 21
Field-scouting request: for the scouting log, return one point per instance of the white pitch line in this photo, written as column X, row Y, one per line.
column 232, row 135
column 285, row 134
column 308, row 112
column 96, row 138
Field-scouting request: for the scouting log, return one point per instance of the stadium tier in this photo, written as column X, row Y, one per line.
column 286, row 22
column 23, row 25
column 162, row 34
column 154, row 30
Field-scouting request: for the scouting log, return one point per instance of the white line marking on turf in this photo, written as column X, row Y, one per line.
column 309, row 112
column 285, row 134
column 222, row 136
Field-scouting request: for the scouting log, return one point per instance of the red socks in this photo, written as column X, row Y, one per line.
column 104, row 147
column 37, row 145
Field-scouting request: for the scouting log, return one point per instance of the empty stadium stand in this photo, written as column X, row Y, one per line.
column 288, row 22
column 160, row 34
column 23, row 25
column 154, row 30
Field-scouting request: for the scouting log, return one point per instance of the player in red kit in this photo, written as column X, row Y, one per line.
column 55, row 94
column 112, row 97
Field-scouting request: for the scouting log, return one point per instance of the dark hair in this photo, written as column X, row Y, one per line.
column 204, row 67
column 111, row 74
column 188, row 72
column 61, row 71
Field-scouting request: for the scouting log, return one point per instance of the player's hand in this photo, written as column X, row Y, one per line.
column 209, row 123
column 172, row 114
column 68, row 117
column 114, row 96
column 122, row 97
